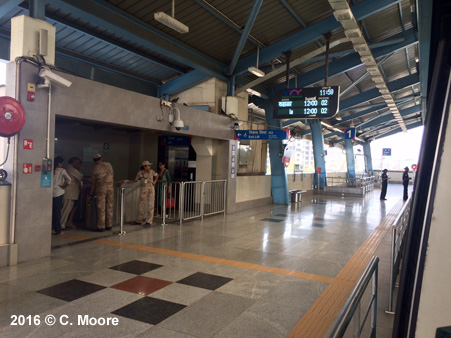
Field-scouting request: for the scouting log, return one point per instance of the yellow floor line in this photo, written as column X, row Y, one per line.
column 320, row 316
column 74, row 236
column 222, row 261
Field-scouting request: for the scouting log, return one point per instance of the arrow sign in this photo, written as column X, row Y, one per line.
column 271, row 134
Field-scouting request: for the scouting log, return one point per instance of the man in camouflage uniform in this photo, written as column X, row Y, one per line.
column 102, row 177
column 147, row 178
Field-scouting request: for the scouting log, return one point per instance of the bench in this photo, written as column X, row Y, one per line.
column 296, row 195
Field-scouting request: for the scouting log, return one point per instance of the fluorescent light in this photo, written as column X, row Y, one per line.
column 171, row 22
column 256, row 71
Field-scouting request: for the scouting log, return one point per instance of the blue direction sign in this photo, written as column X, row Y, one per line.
column 386, row 151
column 271, row 134
column 349, row 133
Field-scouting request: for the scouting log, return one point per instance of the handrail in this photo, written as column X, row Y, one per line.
column 399, row 227
column 353, row 303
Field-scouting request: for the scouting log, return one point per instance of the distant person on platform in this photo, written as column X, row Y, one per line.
column 384, row 179
column 72, row 193
column 102, row 178
column 405, row 182
column 61, row 180
column 147, row 179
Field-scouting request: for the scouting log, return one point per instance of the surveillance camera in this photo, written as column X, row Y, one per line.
column 178, row 124
column 52, row 77
column 236, row 125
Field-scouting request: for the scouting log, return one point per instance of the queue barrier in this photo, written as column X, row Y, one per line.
column 189, row 200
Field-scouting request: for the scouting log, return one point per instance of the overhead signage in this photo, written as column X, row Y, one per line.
column 307, row 103
column 271, row 134
column 349, row 133
column 386, row 151
column 175, row 140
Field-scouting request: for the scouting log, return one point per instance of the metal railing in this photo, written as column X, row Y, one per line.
column 352, row 307
column 364, row 183
column 214, row 197
column 166, row 194
column 399, row 228
column 181, row 201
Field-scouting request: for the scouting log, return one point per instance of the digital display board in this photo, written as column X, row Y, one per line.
column 307, row 103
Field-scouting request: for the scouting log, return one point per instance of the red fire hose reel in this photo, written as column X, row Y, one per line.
column 12, row 116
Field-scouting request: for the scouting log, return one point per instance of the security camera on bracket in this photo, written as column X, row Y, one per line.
column 51, row 77
column 177, row 123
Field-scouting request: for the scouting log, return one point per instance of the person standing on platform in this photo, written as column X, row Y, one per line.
column 61, row 180
column 147, row 179
column 102, row 179
column 72, row 192
column 405, row 182
column 163, row 178
column 384, row 179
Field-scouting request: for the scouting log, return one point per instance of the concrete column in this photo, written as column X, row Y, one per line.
column 318, row 153
column 349, row 147
column 368, row 159
column 279, row 182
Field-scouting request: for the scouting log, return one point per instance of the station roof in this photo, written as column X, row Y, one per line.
column 126, row 46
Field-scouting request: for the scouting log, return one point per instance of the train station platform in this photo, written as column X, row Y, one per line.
column 273, row 271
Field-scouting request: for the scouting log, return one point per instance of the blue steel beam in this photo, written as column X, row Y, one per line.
column 389, row 117
column 350, row 61
column 212, row 10
column 314, row 32
column 318, row 153
column 398, row 130
column 374, row 93
column 350, row 162
column 279, row 182
column 335, row 133
column 8, row 5
column 310, row 34
column 118, row 22
column 424, row 20
column 296, row 17
column 37, row 9
column 368, row 158
column 245, row 35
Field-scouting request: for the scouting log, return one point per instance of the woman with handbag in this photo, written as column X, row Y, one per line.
column 164, row 178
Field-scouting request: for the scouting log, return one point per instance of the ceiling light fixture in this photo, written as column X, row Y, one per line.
column 255, row 70
column 170, row 21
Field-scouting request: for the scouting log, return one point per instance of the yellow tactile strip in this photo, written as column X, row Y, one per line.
column 209, row 259
column 75, row 236
column 320, row 316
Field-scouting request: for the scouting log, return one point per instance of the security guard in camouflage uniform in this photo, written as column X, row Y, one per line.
column 147, row 178
column 102, row 177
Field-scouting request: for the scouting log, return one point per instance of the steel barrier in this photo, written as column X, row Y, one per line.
column 352, row 306
column 399, row 228
column 179, row 201
column 214, row 197
column 169, row 196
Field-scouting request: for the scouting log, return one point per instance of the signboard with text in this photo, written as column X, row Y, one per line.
column 386, row 151
column 270, row 134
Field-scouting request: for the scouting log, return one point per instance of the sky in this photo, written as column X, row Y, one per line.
column 405, row 149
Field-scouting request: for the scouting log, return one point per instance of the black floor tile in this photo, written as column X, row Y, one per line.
column 71, row 290
column 281, row 215
column 274, row 220
column 149, row 310
column 318, row 225
column 205, row 281
column 136, row 267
